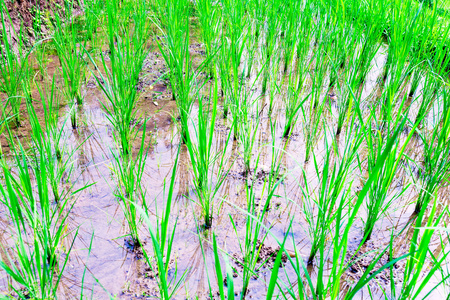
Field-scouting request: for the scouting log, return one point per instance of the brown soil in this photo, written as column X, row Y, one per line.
column 23, row 13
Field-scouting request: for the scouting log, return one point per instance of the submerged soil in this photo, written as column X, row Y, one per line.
column 115, row 269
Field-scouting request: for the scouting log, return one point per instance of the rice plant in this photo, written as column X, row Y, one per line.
column 333, row 176
column 320, row 126
column 435, row 168
column 14, row 65
column 40, row 228
column 128, row 49
column 129, row 173
column 379, row 198
column 71, row 56
column 204, row 157
column 255, row 236
column 175, row 50
column 162, row 241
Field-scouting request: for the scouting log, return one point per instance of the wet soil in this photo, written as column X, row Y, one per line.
column 24, row 16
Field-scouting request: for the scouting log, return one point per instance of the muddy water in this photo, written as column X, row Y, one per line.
column 113, row 269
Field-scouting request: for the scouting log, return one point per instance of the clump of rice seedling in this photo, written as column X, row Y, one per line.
column 209, row 16
column 247, row 123
column 421, row 257
column 162, row 241
column 203, row 157
column 377, row 202
column 255, row 235
column 14, row 66
column 231, row 55
column 317, row 75
column 289, row 32
column 39, row 226
column 320, row 208
column 128, row 51
column 436, row 165
column 129, row 172
column 92, row 10
column 73, row 66
column 271, row 36
column 47, row 145
column 174, row 24
column 51, row 105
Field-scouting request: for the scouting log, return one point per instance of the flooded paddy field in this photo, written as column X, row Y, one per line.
column 226, row 150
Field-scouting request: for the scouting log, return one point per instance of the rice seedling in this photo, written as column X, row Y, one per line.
column 129, row 172
column 174, row 24
column 378, row 197
column 333, row 177
column 275, row 68
column 255, row 235
column 204, row 157
column 40, row 228
column 435, row 168
column 209, row 16
column 127, row 46
column 70, row 49
column 14, row 66
column 162, row 241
